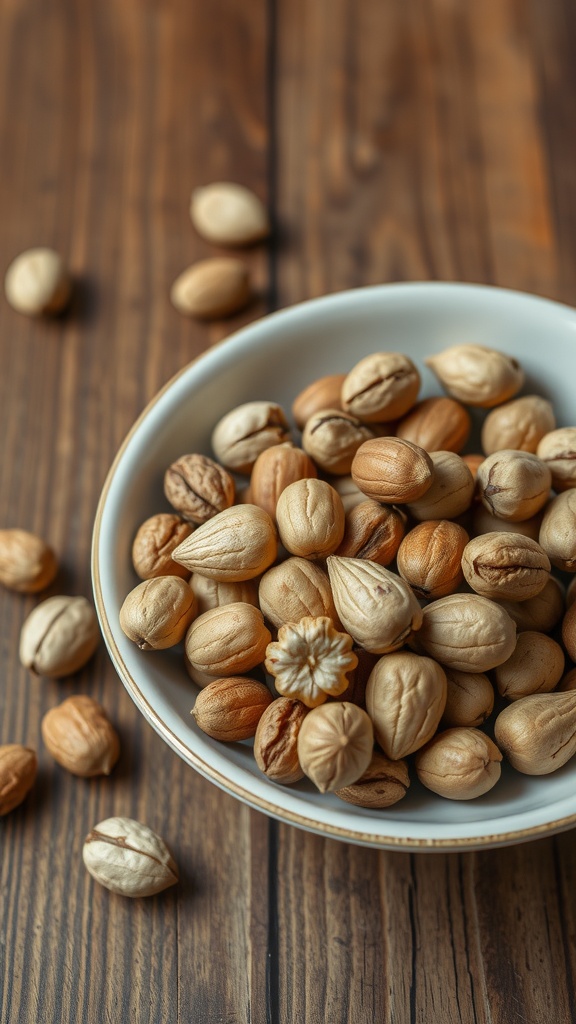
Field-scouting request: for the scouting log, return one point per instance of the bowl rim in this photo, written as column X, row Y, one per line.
column 204, row 768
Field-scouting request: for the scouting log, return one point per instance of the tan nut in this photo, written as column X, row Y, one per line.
column 513, row 485
column 321, row 394
column 244, row 432
column 154, row 543
column 80, row 737
column 429, row 558
column 436, row 424
column 450, row 493
column 469, row 699
column 18, row 768
column 372, row 531
column 484, row 522
column 128, row 858
column 375, row 605
column 274, row 470
column 405, row 699
column 157, row 613
column 558, row 531
column 198, row 488
column 229, row 709
column 392, row 471
column 383, row 784
column 212, row 594
column 27, row 564
column 310, row 518
column 37, row 282
column 335, row 745
column 295, row 589
column 332, row 438
column 236, row 545
column 477, row 375
column 276, row 740
column 228, row 214
column 59, row 636
column 520, row 424
column 381, row 387
column 228, row 641
column 538, row 733
column 310, row 660
column 466, row 632
column 535, row 666
column 507, row 566
column 558, row 451
column 212, row 288
column 542, row 612
column 459, row 764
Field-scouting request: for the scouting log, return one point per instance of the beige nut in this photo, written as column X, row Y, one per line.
column 381, row 387
column 274, row 470
column 450, row 493
column 157, row 613
column 200, row 678
column 321, row 394
column 429, row 558
column 513, row 485
column 372, row 531
column 350, row 493
column 310, row 518
column 212, row 288
column 212, row 594
column 477, row 375
column 392, row 471
column 335, row 745
column 538, row 733
column 558, row 451
column 558, row 531
column 405, row 699
column 466, row 632
column 276, row 740
column 18, row 768
column 469, row 699
column 375, row 605
column 459, row 764
column 236, row 545
column 80, row 737
column 542, row 612
column 332, row 438
column 507, row 566
column 520, row 424
column 436, row 424
column 198, row 488
column 229, row 709
column 294, row 589
column 128, row 858
column 27, row 564
column 154, row 543
column 484, row 522
column 228, row 214
column 310, row 660
column 228, row 641
column 383, row 784
column 535, row 666
column 59, row 636
column 37, row 282
column 246, row 431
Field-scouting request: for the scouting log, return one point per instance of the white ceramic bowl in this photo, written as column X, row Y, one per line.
column 275, row 358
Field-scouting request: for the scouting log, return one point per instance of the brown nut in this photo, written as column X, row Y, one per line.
column 335, row 745
column 244, row 432
column 381, row 387
column 276, row 740
column 295, row 589
column 429, row 558
column 274, row 470
column 473, row 461
column 157, row 613
column 27, row 564
column 520, row 424
column 372, row 531
column 228, row 641
column 542, row 612
column 212, row 594
column 212, row 288
column 392, row 471
column 469, row 699
column 405, row 699
column 466, row 632
column 558, row 450
column 59, row 636
column 535, row 666
column 332, row 438
column 80, row 737
column 513, row 485
column 321, row 394
column 459, row 764
column 154, row 543
column 310, row 518
column 508, row 566
column 383, row 784
column 436, row 424
column 450, row 493
column 236, row 545
column 375, row 605
column 568, row 682
column 230, row 709
column 538, row 733
column 198, row 488
column 358, row 677
column 477, row 375
column 558, row 531
column 18, row 767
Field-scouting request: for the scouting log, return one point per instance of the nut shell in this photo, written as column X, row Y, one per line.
column 198, row 488
column 477, row 375
column 228, row 214
column 335, row 745
column 381, row 387
column 558, row 451
column 558, row 531
column 294, row 589
column 80, row 737
column 128, row 858
column 246, row 431
column 429, row 558
column 466, row 632
column 227, row 641
column 383, row 784
column 451, row 491
column 542, row 612
column 321, row 394
column 513, row 485
column 505, row 565
column 229, row 709
column 405, row 699
column 212, row 288
column 459, row 764
column 372, row 531
column 236, row 545
column 520, row 424
column 536, row 666
column 538, row 733
column 157, row 613
column 332, row 438
column 154, row 543
column 375, row 605
column 469, row 699
column 18, row 768
column 392, row 471
column 37, row 282
column 27, row 564
column 212, row 594
column 59, row 636
column 436, row 424
column 274, row 470
column 310, row 518
column 276, row 741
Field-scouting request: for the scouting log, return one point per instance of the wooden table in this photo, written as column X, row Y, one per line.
column 393, row 140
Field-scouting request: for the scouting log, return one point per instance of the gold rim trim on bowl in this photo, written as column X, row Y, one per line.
column 205, row 769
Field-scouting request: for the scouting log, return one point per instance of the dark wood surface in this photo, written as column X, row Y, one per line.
column 393, row 141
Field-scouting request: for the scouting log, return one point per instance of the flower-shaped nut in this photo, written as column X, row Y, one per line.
column 310, row 660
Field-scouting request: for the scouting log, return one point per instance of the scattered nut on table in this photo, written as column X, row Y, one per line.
column 128, row 858
column 80, row 737
column 27, row 563
column 37, row 282
column 212, row 288
column 230, row 214
column 18, row 768
column 59, row 636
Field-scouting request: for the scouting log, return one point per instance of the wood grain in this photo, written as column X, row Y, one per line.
column 392, row 141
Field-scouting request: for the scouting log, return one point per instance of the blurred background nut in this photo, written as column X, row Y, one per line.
column 558, row 450
column 18, row 768
column 228, row 640
column 154, row 543
column 568, row 682
column 276, row 740
column 477, row 375
column 513, row 485
column 542, row 612
column 520, row 424
column 198, row 488
column 466, row 632
column 429, row 558
column 392, row 471
column 244, row 432
column 375, row 605
column 321, row 394
column 310, row 518
column 229, row 709
column 459, row 764
column 381, row 387
column 274, row 470
column 59, row 636
column 228, row 214
column 156, row 614
column 535, row 666
column 80, row 737
column 538, row 733
column 38, row 282
column 469, row 699
column 405, row 699
column 294, row 589
column 558, row 531
column 372, row 531
column 473, row 461
column 451, row 491
column 436, row 424
column 236, row 545
column 505, row 565
column 128, row 858
column 383, row 784
column 332, row 438
column 212, row 288
column 212, row 594
column 335, row 745
column 27, row 564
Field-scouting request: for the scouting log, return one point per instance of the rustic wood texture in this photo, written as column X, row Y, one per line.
column 393, row 141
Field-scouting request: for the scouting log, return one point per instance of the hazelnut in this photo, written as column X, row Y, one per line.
column 520, row 424
column 436, row 424
column 429, row 558
column 535, row 666
column 513, row 485
column 477, row 375
column 310, row 518
column 381, row 387
column 451, row 491
column 505, row 565
column 392, row 471
column 37, row 282
column 154, row 543
column 321, row 394
column 459, row 764
column 332, row 438
column 198, row 488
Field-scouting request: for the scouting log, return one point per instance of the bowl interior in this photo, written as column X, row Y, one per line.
column 274, row 359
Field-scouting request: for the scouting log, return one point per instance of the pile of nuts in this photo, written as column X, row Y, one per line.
column 368, row 596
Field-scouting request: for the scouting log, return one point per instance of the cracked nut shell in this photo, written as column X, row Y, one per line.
column 505, row 565
column 332, row 438
column 246, row 431
column 18, row 768
column 198, row 488
column 381, row 387
column 383, row 784
column 276, row 740
column 128, row 858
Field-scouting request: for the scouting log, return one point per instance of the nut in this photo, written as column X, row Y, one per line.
column 295, row 589
column 335, row 745
column 157, row 613
column 542, row 612
column 229, row 709
column 484, row 522
column 375, row 605
column 392, row 471
column 198, row 488
column 274, row 470
column 18, row 767
column 469, row 699
column 323, row 393
column 477, row 375
column 212, row 594
column 244, row 432
column 310, row 660
column 558, row 531
column 37, row 282
column 436, row 424
column 405, row 699
column 466, row 632
column 310, row 518
column 520, row 424
column 535, row 666
column 80, row 737
column 558, row 450
column 228, row 214
column 236, row 545
column 27, row 564
column 350, row 493
column 568, row 682
column 355, row 692
column 383, row 783
column 276, row 740
column 154, row 543
column 473, row 461
column 538, row 733
column 569, row 631
column 505, row 565
column 459, row 764
column 212, row 288
column 451, row 491
column 227, row 641
column 372, row 531
column 513, row 485
column 332, row 438
column 381, row 387
column 59, row 636
column 128, row 858
column 429, row 558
